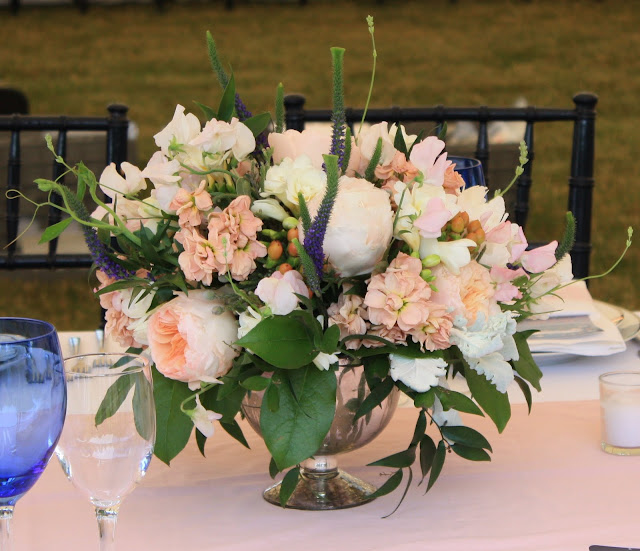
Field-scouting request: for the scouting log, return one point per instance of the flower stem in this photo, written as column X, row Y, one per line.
column 373, row 72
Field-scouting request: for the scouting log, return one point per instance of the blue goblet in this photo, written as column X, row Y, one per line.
column 33, row 401
column 470, row 170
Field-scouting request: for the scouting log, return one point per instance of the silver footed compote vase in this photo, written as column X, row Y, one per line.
column 322, row 484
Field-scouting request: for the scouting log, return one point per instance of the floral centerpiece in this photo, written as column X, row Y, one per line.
column 245, row 257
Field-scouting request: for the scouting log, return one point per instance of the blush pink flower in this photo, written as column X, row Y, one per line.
column 434, row 334
column 477, row 291
column 190, row 338
column 349, row 314
column 399, row 296
column 426, row 156
column 502, row 278
column 453, row 182
column 539, row 259
column 394, row 335
column 191, row 206
column 203, row 257
column 433, row 217
column 279, row 291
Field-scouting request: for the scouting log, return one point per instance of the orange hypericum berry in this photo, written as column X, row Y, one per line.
column 284, row 268
column 291, row 249
column 457, row 224
column 480, row 236
column 473, row 226
column 275, row 250
column 292, row 234
column 465, row 217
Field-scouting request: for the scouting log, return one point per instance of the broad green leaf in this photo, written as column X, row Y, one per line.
column 525, row 365
column 234, row 430
column 451, row 399
column 256, row 383
column 399, row 142
column 425, row 399
column 148, row 248
column 398, row 460
column 288, row 485
column 437, row 464
column 228, row 101
column 272, row 397
column 376, row 368
column 201, row 440
column 421, row 426
column 494, row 403
column 375, row 398
column 465, row 435
column 391, row 484
column 207, row 111
column 174, row 427
column 273, row 468
column 427, row 455
column 114, row 397
column 307, row 405
column 470, row 453
column 330, row 340
column 228, row 406
column 404, row 494
column 142, row 402
column 258, row 123
column 281, row 341
column 54, row 230
column 525, row 390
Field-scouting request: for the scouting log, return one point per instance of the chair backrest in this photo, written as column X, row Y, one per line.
column 13, row 101
column 581, row 180
column 114, row 127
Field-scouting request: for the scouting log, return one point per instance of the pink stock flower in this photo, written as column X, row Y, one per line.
column 191, row 206
column 502, row 277
column 349, row 314
column 279, row 291
column 539, row 259
column 399, row 295
column 190, row 338
column 203, row 257
column 433, row 217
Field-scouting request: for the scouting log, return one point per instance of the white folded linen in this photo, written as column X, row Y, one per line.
column 575, row 326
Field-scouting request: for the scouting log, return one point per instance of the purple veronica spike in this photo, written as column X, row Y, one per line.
column 243, row 115
column 101, row 258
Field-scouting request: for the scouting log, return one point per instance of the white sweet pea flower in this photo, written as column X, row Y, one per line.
column 112, row 184
column 220, row 137
column 182, row 129
column 324, row 361
column 203, row 418
column 269, row 208
column 292, row 177
column 247, row 321
column 453, row 254
column 419, row 374
column 368, row 140
column 542, row 303
column 161, row 171
column 473, row 201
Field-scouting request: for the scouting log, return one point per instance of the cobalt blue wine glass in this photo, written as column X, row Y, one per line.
column 33, row 401
column 470, row 170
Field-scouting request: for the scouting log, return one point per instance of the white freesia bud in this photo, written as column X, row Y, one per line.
column 269, row 208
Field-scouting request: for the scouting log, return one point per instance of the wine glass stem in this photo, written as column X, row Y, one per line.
column 6, row 514
column 107, row 518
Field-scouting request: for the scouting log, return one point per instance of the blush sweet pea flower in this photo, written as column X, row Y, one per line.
column 112, row 184
column 191, row 338
column 182, row 129
column 220, row 137
column 539, row 259
column 278, row 291
column 203, row 419
column 428, row 158
column 433, row 217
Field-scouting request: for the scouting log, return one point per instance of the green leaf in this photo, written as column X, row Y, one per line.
column 525, row 365
column 437, row 464
column 272, row 397
column 465, row 435
column 404, row 494
column 273, row 468
column 425, row 399
column 451, row 399
column 201, row 440
column 256, row 383
column 233, row 429
column 370, row 172
column 114, row 397
column 421, row 426
column 525, row 390
column 148, row 248
column 398, row 460
column 391, row 484
column 399, row 142
column 442, row 133
column 494, row 403
column 142, row 400
column 228, row 101
column 281, row 341
column 258, row 123
column 207, row 111
column 307, row 405
column 330, row 340
column 427, row 455
column 376, row 368
column 470, row 453
column 288, row 485
column 375, row 398
column 54, row 230
column 279, row 109
column 173, row 426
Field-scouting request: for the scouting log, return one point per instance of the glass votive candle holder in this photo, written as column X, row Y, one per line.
column 620, row 412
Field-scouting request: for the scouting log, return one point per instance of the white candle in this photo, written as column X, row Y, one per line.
column 621, row 420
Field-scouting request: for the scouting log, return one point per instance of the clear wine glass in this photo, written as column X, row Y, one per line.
column 33, row 400
column 109, row 434
column 470, row 169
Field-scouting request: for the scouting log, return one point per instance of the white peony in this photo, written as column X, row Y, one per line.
column 360, row 227
column 292, row 177
column 419, row 374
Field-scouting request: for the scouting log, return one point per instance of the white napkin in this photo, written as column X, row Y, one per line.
column 575, row 326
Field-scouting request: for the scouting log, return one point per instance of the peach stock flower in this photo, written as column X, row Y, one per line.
column 349, row 315
column 453, row 182
column 399, row 295
column 190, row 338
column 434, row 334
column 191, row 206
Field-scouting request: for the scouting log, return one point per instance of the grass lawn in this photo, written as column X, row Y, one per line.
column 462, row 53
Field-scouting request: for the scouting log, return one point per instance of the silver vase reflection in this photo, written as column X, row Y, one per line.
column 322, row 484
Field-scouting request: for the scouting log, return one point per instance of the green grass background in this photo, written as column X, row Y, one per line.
column 429, row 52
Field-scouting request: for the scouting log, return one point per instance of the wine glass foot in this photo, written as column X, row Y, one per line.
column 320, row 493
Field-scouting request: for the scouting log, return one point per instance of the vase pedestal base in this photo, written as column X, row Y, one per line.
column 319, row 492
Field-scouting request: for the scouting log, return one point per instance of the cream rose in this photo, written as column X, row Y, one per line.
column 360, row 227
column 190, row 338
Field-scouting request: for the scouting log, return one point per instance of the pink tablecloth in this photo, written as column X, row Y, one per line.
column 549, row 487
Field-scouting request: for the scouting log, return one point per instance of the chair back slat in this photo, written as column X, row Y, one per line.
column 115, row 128
column 581, row 180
